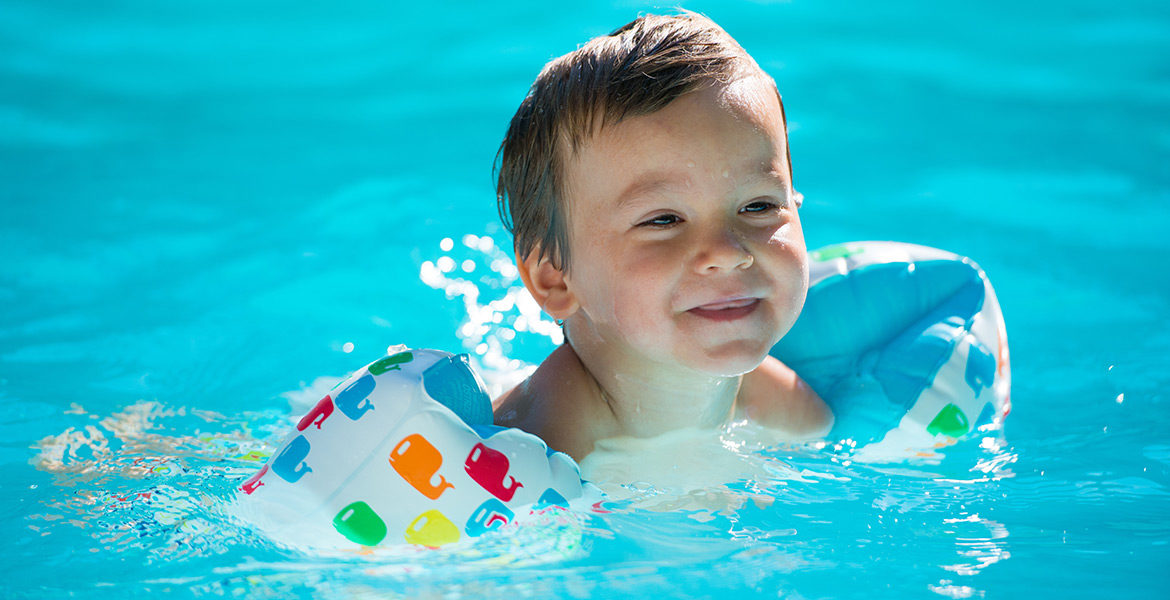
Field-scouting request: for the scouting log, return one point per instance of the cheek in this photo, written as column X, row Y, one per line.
column 787, row 245
column 642, row 291
column 612, row 285
column 788, row 242
column 789, row 235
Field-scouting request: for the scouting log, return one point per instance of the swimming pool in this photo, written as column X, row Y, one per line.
column 207, row 210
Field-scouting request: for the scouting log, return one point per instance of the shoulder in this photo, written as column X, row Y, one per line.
column 774, row 396
column 554, row 405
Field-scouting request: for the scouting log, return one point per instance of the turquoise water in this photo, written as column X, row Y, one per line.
column 206, row 208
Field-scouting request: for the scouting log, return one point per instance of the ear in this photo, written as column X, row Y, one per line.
column 546, row 282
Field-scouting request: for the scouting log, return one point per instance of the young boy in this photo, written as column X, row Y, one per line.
column 647, row 182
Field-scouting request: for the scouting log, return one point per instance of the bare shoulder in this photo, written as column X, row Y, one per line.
column 554, row 405
column 774, row 396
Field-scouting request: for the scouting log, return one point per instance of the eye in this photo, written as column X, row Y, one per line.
column 760, row 206
column 661, row 221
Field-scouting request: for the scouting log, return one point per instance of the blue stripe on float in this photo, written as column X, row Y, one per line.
column 871, row 340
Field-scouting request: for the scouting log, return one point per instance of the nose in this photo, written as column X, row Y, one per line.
column 722, row 250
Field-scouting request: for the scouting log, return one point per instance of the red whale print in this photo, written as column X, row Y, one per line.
column 317, row 416
column 489, row 468
column 253, row 482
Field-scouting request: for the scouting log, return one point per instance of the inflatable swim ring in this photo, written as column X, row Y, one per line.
column 906, row 344
column 403, row 450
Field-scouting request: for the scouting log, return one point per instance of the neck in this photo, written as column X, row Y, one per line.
column 648, row 397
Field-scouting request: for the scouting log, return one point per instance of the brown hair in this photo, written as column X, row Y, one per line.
column 636, row 70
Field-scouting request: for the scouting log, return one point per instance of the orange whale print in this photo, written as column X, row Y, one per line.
column 418, row 462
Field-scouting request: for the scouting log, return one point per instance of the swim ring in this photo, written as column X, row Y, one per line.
column 906, row 343
column 403, row 450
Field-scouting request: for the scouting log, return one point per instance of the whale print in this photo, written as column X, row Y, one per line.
column 980, row 367
column 289, row 464
column 360, row 524
column 490, row 515
column 253, row 483
column 489, row 468
column 432, row 529
column 393, row 362
column 354, row 400
column 418, row 462
column 317, row 416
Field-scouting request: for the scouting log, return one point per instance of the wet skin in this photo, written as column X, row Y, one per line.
column 687, row 265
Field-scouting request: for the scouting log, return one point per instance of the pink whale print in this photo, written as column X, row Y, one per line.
column 489, row 468
column 418, row 462
column 317, row 416
column 253, row 483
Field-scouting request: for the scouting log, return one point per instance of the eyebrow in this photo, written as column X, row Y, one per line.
column 652, row 182
column 660, row 181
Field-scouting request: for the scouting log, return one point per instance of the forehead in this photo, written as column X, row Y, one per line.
column 754, row 99
column 732, row 129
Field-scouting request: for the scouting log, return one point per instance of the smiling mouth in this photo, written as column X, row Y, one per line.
column 728, row 310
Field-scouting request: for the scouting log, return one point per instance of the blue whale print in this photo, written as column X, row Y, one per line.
column 551, row 498
column 289, row 464
column 492, row 514
column 980, row 367
column 353, row 401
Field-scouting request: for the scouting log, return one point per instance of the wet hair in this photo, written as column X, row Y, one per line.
column 636, row 70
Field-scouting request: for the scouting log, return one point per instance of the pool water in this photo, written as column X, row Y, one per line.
column 209, row 211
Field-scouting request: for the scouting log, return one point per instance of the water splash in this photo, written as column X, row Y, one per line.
column 499, row 311
column 151, row 477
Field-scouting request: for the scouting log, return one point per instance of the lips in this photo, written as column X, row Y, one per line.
column 726, row 310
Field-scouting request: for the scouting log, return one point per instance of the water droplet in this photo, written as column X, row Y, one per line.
column 347, row 347
column 447, row 244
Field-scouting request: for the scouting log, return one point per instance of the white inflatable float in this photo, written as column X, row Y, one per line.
column 404, row 450
column 906, row 344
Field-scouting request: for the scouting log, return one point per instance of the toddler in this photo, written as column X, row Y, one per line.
column 646, row 180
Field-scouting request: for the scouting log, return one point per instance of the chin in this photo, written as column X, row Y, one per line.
column 732, row 360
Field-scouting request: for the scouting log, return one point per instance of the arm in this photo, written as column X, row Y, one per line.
column 774, row 396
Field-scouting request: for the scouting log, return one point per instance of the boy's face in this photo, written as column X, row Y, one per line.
column 685, row 243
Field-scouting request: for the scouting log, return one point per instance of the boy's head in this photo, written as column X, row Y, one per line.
column 638, row 69
column 655, row 161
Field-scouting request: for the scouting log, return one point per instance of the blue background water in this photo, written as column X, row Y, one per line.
column 202, row 204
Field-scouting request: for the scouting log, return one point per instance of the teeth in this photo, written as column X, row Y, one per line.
column 727, row 305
